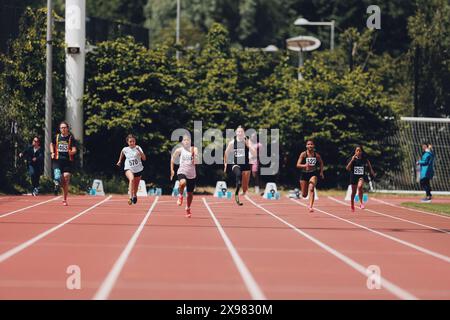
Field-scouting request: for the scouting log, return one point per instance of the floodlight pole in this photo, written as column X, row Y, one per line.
column 48, row 92
column 178, row 27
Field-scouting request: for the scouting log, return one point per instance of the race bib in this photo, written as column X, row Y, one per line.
column 63, row 147
column 239, row 153
column 311, row 161
column 187, row 158
column 133, row 163
column 358, row 171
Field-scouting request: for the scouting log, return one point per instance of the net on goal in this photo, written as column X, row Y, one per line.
column 404, row 177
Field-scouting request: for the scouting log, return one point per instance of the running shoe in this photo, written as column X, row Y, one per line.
column 130, row 201
column 134, row 200
column 65, row 203
column 180, row 200
column 310, row 209
column 188, row 212
column 426, row 200
column 236, row 198
column 362, row 206
column 353, row 208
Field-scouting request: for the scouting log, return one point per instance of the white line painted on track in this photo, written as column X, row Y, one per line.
column 252, row 286
column 110, row 280
column 392, row 217
column 29, row 207
column 406, row 243
column 8, row 254
column 392, row 288
column 411, row 209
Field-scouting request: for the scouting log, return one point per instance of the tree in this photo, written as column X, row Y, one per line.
column 429, row 30
column 132, row 90
column 23, row 82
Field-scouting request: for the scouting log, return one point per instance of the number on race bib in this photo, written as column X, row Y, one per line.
column 239, row 152
column 133, row 162
column 63, row 147
column 358, row 171
column 311, row 161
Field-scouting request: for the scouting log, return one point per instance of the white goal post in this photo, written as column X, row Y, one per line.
column 404, row 178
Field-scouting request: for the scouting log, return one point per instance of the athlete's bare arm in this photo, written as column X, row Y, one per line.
column 321, row 165
column 121, row 156
column 370, row 168
column 300, row 159
column 175, row 155
column 142, row 154
column 225, row 156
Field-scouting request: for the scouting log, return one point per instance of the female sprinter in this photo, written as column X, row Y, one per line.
column 240, row 164
column 186, row 172
column 357, row 167
column 63, row 149
column 134, row 156
column 307, row 163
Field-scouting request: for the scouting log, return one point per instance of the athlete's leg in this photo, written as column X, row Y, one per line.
column 245, row 180
column 352, row 197
column 312, row 185
column 136, row 182
column 256, row 179
column 360, row 191
column 130, row 177
column 66, row 181
column 181, row 186
column 238, row 175
column 304, row 188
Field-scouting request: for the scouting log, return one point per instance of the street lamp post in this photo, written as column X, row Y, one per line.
column 305, row 22
column 302, row 44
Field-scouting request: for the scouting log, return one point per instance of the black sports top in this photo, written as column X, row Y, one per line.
column 312, row 162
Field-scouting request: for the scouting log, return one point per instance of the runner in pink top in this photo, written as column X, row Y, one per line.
column 186, row 173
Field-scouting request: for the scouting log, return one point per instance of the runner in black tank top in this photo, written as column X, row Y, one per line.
column 358, row 165
column 63, row 149
column 311, row 165
column 239, row 161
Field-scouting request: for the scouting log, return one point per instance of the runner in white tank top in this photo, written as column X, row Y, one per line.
column 186, row 173
column 133, row 155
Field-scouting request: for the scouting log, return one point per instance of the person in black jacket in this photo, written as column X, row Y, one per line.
column 34, row 157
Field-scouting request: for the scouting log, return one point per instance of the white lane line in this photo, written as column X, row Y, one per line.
column 8, row 254
column 106, row 287
column 29, row 207
column 406, row 243
column 392, row 217
column 411, row 209
column 252, row 286
column 392, row 288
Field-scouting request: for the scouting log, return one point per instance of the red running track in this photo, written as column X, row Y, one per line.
column 265, row 249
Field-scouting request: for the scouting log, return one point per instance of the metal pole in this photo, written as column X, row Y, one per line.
column 332, row 35
column 178, row 27
column 48, row 92
column 300, row 63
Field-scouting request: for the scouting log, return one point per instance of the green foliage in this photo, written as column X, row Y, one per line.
column 429, row 30
column 348, row 97
column 132, row 90
column 22, row 83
